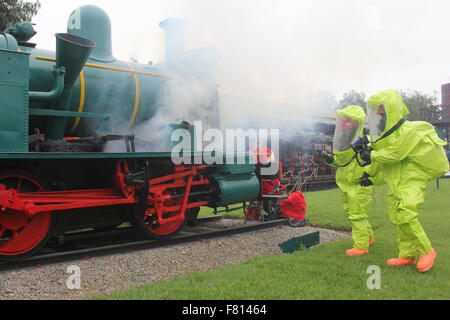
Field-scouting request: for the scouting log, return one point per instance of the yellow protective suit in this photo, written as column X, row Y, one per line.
column 355, row 198
column 409, row 156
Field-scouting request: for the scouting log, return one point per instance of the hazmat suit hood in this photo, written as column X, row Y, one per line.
column 388, row 107
column 349, row 126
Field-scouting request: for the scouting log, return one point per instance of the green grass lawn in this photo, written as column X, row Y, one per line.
column 325, row 272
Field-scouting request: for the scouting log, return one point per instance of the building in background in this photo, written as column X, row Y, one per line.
column 439, row 115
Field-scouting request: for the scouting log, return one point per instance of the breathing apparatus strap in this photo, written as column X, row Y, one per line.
column 347, row 162
column 390, row 131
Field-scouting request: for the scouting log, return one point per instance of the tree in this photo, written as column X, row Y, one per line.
column 415, row 101
column 16, row 11
column 352, row 98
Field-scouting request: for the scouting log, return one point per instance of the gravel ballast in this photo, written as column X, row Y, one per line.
column 104, row 275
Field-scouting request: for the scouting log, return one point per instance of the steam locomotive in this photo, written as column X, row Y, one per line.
column 59, row 112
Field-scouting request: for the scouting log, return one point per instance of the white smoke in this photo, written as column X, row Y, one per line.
column 183, row 98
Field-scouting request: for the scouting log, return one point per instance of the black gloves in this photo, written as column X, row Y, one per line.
column 365, row 154
column 329, row 157
column 365, row 181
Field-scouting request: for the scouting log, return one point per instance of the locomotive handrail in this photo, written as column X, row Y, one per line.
column 98, row 66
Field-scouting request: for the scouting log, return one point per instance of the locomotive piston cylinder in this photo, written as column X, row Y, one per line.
column 234, row 189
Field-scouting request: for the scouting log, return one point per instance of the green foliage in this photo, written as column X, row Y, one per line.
column 16, row 11
column 415, row 101
column 353, row 98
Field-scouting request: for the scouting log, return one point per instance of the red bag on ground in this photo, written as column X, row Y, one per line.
column 294, row 206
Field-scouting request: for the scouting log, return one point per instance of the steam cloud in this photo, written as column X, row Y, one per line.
column 182, row 99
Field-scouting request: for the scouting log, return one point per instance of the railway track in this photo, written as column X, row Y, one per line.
column 90, row 244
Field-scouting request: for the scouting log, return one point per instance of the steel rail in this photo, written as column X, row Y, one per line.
column 77, row 236
column 110, row 249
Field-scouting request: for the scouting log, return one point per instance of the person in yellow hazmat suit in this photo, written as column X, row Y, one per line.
column 409, row 154
column 355, row 198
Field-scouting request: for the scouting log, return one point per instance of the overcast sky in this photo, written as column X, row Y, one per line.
column 283, row 50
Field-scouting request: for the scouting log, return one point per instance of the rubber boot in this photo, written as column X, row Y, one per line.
column 356, row 252
column 426, row 261
column 400, row 262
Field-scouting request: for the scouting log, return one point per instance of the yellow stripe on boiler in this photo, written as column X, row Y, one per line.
column 81, row 106
column 136, row 99
column 98, row 66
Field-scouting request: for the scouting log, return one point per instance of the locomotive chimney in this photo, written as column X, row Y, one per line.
column 174, row 38
column 72, row 53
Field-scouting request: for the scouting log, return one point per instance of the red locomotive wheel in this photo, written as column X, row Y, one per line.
column 167, row 229
column 21, row 236
column 150, row 228
column 162, row 230
column 253, row 211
